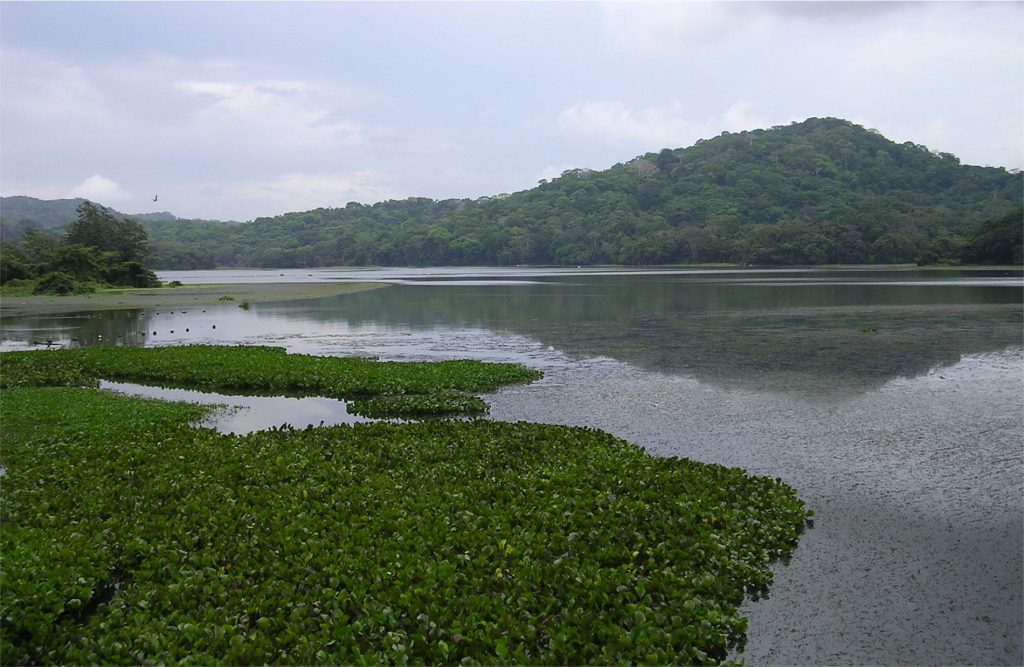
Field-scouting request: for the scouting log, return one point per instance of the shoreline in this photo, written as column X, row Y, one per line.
column 186, row 295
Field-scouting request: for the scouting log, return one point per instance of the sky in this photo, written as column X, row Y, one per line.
column 235, row 110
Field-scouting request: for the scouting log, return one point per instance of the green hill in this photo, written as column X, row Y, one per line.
column 18, row 214
column 821, row 191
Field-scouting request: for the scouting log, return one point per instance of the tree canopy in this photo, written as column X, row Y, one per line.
column 98, row 228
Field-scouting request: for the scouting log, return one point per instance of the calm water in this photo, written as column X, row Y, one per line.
column 244, row 414
column 892, row 400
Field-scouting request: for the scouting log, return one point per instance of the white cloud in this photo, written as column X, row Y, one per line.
column 161, row 107
column 283, row 119
column 158, row 118
column 666, row 126
column 102, row 190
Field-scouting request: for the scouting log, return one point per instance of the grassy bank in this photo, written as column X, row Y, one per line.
column 15, row 302
column 129, row 536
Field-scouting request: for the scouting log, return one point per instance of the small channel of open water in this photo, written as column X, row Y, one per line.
column 239, row 414
column 893, row 401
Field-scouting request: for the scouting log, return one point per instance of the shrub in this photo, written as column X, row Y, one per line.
column 61, row 283
column 132, row 274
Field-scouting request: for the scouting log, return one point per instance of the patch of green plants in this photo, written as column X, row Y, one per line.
column 130, row 537
column 409, row 388
column 18, row 287
column 37, row 369
column 60, row 283
column 418, row 405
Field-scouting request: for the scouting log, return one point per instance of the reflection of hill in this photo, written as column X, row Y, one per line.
column 812, row 337
column 859, row 336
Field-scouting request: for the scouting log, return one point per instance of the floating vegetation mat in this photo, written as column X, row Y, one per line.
column 130, row 537
column 381, row 388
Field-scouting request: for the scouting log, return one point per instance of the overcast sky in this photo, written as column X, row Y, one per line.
column 237, row 110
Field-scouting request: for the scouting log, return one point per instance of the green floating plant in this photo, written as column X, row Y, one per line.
column 418, row 405
column 396, row 388
column 130, row 537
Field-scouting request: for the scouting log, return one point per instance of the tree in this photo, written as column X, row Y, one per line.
column 39, row 248
column 12, row 264
column 97, row 228
column 80, row 262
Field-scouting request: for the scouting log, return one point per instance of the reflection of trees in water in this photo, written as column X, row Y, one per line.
column 850, row 337
column 103, row 328
column 854, row 349
column 725, row 334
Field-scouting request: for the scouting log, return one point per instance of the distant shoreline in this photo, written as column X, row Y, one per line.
column 186, row 295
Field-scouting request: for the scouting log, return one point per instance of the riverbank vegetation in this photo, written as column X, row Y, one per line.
column 131, row 537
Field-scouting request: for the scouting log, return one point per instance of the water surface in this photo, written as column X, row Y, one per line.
column 240, row 414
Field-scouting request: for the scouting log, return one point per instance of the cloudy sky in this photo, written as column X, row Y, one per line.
column 237, row 110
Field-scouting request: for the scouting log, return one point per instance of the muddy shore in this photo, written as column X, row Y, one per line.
column 167, row 297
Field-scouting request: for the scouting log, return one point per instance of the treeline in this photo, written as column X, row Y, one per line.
column 96, row 250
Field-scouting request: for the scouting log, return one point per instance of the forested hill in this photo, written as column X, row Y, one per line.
column 18, row 214
column 820, row 191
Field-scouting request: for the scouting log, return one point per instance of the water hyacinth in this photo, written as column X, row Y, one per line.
column 400, row 389
column 129, row 537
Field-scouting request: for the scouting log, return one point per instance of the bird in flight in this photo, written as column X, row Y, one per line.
column 155, row 197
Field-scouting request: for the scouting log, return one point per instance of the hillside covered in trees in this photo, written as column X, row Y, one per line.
column 823, row 191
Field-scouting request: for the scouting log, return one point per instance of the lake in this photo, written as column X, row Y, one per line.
column 892, row 400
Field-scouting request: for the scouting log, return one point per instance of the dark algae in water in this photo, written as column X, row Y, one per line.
column 130, row 537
